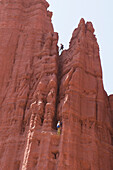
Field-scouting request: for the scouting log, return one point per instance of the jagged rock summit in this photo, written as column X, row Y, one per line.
column 38, row 87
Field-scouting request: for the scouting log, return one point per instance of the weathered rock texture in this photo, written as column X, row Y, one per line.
column 38, row 87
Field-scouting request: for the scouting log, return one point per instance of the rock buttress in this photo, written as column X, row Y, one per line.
column 84, row 106
column 28, row 83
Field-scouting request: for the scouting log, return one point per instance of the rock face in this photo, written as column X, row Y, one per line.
column 38, row 87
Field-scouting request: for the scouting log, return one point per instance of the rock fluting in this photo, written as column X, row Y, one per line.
column 38, row 87
column 84, row 107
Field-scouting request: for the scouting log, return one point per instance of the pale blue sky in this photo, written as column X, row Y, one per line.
column 66, row 16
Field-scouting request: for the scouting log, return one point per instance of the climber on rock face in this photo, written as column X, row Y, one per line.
column 61, row 47
column 59, row 124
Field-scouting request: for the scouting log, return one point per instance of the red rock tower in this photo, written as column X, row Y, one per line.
column 38, row 87
column 84, row 107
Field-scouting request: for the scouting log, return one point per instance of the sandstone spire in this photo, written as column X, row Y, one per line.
column 28, row 80
column 84, row 105
column 38, row 87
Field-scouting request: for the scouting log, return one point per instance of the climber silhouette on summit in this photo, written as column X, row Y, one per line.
column 61, row 47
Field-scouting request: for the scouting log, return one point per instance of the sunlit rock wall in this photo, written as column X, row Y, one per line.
column 38, row 87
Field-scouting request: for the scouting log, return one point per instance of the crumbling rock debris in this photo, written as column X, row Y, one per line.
column 38, row 87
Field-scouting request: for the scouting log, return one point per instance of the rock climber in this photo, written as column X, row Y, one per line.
column 59, row 124
column 61, row 47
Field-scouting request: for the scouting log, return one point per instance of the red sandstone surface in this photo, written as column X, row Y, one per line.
column 38, row 87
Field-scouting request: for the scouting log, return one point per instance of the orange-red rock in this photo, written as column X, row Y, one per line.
column 84, row 107
column 38, row 87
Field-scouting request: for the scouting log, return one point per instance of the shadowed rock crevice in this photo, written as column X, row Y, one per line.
column 55, row 155
column 56, row 118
